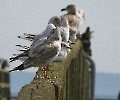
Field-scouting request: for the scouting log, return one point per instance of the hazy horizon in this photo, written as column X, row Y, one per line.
column 107, row 85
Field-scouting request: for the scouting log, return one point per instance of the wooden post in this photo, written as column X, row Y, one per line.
column 67, row 80
column 4, row 85
column 92, row 72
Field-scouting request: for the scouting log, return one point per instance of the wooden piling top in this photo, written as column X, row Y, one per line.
column 44, row 88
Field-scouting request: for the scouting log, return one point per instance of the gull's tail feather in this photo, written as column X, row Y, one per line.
column 30, row 38
column 29, row 34
column 25, row 47
column 20, row 67
column 17, row 56
column 23, row 50
column 13, row 59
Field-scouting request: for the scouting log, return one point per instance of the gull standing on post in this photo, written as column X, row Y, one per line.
column 41, row 38
column 42, row 54
column 44, row 34
column 65, row 48
column 75, row 17
column 55, row 20
column 64, row 27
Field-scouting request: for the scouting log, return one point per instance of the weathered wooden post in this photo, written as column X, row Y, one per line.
column 4, row 85
column 67, row 80
column 92, row 73
column 78, row 78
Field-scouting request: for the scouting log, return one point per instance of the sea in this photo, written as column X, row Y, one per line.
column 107, row 85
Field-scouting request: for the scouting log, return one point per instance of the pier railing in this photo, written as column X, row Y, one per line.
column 67, row 80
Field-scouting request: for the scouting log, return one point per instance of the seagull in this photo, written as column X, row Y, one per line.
column 75, row 18
column 64, row 30
column 62, row 23
column 65, row 49
column 74, row 14
column 44, row 34
column 38, row 38
column 42, row 54
column 64, row 27
column 55, row 20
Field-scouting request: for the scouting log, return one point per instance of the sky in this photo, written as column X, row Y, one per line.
column 28, row 16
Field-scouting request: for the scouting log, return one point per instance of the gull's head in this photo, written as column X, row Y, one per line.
column 49, row 28
column 64, row 22
column 55, row 34
column 71, row 9
column 65, row 45
column 55, row 20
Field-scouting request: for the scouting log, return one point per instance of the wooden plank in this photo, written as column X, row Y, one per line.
column 4, row 85
column 4, row 76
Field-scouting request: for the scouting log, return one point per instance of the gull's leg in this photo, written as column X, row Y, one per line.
column 45, row 70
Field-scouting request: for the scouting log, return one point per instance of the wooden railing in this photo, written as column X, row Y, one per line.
column 4, row 85
column 67, row 80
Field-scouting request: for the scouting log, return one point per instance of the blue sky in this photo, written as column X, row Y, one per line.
column 103, row 17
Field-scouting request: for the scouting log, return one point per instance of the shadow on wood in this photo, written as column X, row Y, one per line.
column 67, row 80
